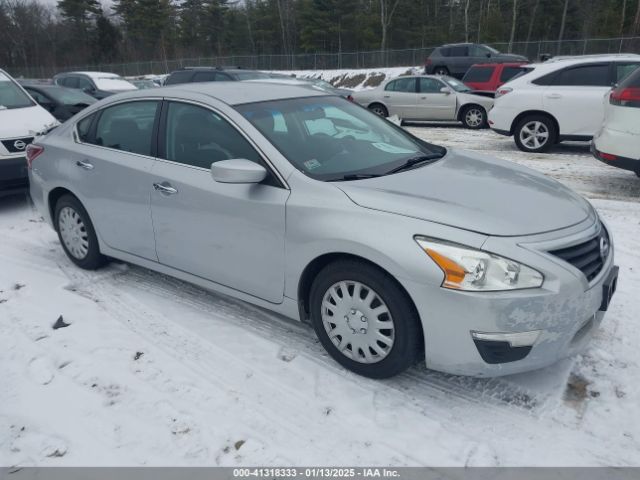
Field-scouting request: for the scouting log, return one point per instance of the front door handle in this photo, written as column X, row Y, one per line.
column 165, row 188
column 85, row 164
column 554, row 96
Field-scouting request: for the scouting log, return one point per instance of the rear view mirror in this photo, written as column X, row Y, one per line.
column 238, row 170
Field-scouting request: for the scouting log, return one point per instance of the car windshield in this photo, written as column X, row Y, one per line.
column 11, row 95
column 457, row 85
column 251, row 75
column 69, row 96
column 113, row 84
column 330, row 138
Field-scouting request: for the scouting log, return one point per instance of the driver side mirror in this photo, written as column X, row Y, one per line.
column 89, row 90
column 238, row 170
column 445, row 90
column 488, row 55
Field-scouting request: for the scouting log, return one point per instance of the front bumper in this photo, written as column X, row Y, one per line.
column 13, row 175
column 550, row 323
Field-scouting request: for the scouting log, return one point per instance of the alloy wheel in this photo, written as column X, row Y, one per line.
column 73, row 233
column 358, row 322
column 474, row 117
column 534, row 135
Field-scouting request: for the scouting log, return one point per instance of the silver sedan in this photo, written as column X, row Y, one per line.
column 427, row 98
column 306, row 204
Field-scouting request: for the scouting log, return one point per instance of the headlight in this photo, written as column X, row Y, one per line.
column 476, row 271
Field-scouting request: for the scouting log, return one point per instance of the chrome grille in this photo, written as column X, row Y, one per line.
column 589, row 257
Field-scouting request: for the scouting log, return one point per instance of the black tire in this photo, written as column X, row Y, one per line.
column 379, row 109
column 408, row 340
column 93, row 258
column 548, row 124
column 441, row 71
column 476, row 122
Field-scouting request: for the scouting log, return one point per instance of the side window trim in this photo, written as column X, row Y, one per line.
column 98, row 114
column 280, row 182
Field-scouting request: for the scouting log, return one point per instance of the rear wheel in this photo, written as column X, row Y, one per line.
column 535, row 133
column 76, row 233
column 474, row 117
column 379, row 109
column 364, row 320
column 441, row 71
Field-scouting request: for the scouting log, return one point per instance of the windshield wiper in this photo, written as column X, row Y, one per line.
column 354, row 176
column 413, row 161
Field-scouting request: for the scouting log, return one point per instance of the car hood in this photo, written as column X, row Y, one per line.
column 474, row 192
column 468, row 97
column 24, row 122
column 512, row 57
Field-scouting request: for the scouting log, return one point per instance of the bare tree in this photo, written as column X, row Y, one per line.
column 532, row 19
column 513, row 24
column 466, row 20
column 563, row 22
column 387, row 9
column 623, row 16
column 636, row 21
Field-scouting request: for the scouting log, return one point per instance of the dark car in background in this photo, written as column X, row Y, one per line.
column 62, row 103
column 213, row 74
column 486, row 78
column 455, row 59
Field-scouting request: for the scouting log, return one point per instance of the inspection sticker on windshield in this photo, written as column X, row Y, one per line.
column 386, row 147
column 312, row 164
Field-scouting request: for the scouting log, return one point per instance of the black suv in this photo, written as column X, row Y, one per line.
column 455, row 59
column 212, row 74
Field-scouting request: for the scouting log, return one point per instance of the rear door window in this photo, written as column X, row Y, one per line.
column 479, row 74
column 584, row 76
column 508, row 73
column 71, row 82
column 204, row 77
column 127, row 127
column 461, row 51
column 407, row 85
column 622, row 70
column 179, row 77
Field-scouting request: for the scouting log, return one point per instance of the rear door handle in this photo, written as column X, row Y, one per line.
column 165, row 188
column 85, row 164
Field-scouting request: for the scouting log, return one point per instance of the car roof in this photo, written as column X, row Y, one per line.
column 92, row 74
column 596, row 56
column 505, row 64
column 231, row 93
column 463, row 44
column 562, row 62
column 218, row 69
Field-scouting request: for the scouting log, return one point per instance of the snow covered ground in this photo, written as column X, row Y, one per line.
column 154, row 371
column 355, row 79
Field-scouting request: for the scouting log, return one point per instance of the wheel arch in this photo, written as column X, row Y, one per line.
column 312, row 269
column 527, row 113
column 53, row 197
column 463, row 108
column 377, row 102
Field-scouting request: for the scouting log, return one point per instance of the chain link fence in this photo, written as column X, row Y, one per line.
column 343, row 60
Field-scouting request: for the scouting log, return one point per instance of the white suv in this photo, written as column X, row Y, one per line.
column 618, row 142
column 558, row 100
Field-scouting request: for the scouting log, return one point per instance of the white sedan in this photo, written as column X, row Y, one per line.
column 618, row 142
column 427, row 98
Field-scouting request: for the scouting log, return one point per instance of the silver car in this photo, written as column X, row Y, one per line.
column 306, row 204
column 427, row 98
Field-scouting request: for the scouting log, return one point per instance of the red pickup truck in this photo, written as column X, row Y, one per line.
column 488, row 77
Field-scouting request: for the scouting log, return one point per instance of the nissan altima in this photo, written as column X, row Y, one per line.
column 394, row 249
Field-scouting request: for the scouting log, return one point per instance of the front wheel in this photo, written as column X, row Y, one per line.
column 379, row 109
column 76, row 233
column 474, row 117
column 535, row 134
column 364, row 320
